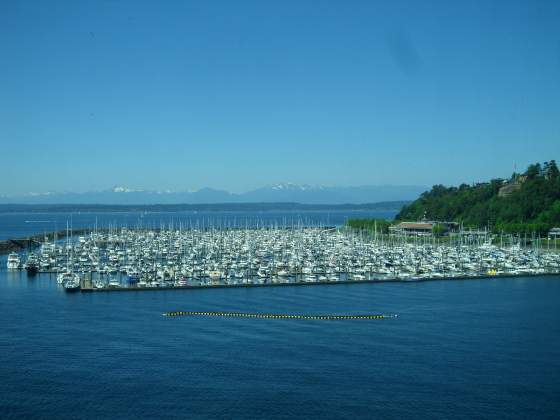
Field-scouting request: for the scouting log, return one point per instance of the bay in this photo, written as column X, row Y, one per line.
column 458, row 349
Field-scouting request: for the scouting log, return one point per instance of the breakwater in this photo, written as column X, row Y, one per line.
column 34, row 241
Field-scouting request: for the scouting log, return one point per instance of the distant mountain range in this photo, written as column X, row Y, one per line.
column 386, row 209
column 293, row 193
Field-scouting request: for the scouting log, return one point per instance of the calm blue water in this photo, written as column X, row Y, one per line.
column 459, row 349
column 17, row 225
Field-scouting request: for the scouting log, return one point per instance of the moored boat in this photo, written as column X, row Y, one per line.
column 72, row 285
column 32, row 265
column 13, row 261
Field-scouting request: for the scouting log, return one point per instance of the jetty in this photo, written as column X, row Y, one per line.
column 34, row 241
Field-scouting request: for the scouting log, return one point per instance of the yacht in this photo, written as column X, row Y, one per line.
column 65, row 276
column 114, row 282
column 72, row 285
column 32, row 265
column 13, row 261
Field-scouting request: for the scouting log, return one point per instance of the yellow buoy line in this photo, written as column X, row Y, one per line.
column 276, row 316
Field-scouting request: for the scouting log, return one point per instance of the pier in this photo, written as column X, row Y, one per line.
column 89, row 288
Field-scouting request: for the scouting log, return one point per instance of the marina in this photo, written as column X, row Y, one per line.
column 124, row 259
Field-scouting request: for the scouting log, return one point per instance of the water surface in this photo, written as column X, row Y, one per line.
column 461, row 349
column 21, row 224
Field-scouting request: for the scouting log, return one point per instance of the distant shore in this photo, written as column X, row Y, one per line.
column 280, row 206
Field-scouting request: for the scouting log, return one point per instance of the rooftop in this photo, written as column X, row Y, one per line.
column 415, row 225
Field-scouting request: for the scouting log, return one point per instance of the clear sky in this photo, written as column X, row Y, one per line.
column 181, row 95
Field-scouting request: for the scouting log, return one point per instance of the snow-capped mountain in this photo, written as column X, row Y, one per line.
column 284, row 192
column 288, row 186
column 309, row 194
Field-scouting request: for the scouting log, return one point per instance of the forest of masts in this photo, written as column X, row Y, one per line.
column 253, row 252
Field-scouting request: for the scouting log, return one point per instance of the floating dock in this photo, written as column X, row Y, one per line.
column 89, row 288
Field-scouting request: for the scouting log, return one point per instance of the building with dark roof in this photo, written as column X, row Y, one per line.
column 554, row 233
column 413, row 228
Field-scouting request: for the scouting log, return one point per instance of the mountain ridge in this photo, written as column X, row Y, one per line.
column 388, row 206
column 285, row 192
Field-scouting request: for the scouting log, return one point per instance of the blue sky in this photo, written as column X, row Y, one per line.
column 181, row 95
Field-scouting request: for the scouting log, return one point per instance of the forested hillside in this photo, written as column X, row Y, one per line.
column 525, row 203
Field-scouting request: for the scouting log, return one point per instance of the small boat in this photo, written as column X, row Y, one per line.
column 63, row 277
column 215, row 275
column 133, row 279
column 32, row 265
column 72, row 285
column 13, row 261
column 114, row 283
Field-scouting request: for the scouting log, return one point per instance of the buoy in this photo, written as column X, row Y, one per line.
column 278, row 316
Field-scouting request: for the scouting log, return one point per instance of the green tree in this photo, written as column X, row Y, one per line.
column 438, row 230
column 551, row 170
column 533, row 171
column 533, row 207
column 370, row 225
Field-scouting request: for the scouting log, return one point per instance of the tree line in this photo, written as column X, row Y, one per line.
column 531, row 205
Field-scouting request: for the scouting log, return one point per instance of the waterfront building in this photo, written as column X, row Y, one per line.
column 554, row 233
column 413, row 228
